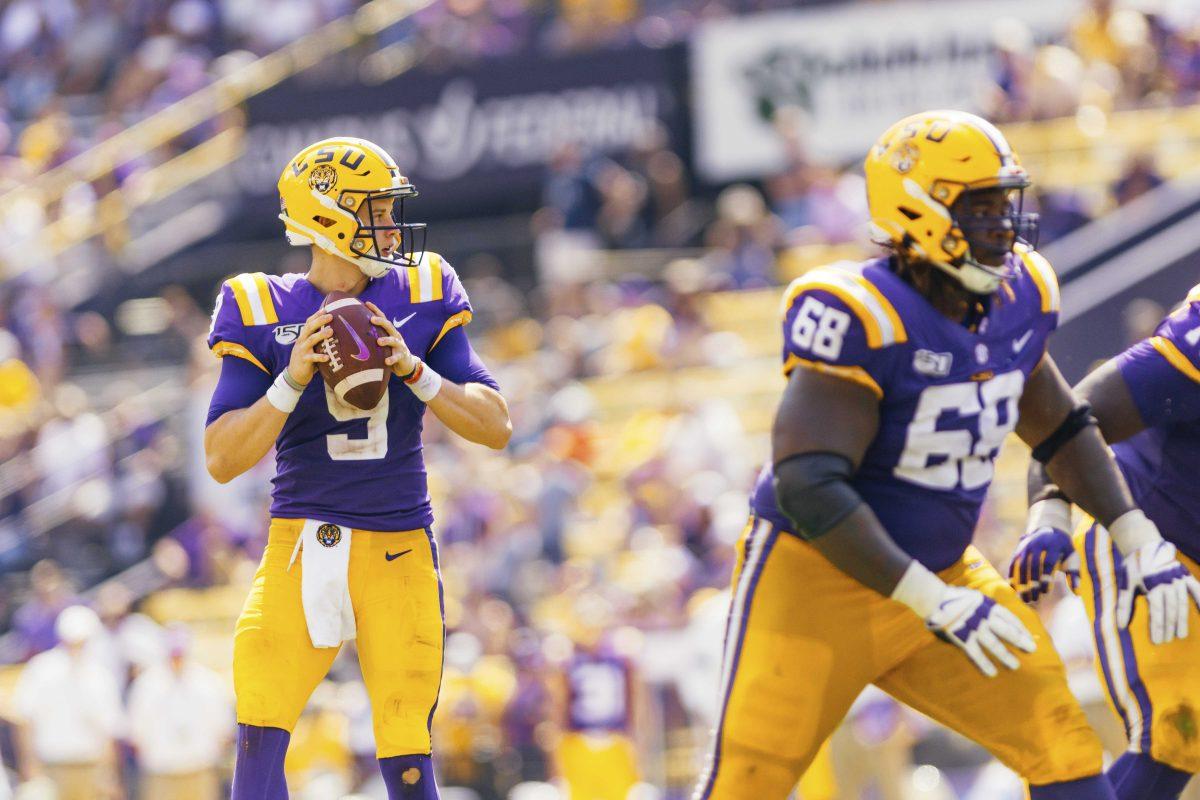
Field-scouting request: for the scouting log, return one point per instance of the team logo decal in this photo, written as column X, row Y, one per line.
column 905, row 157
column 286, row 334
column 935, row 365
column 322, row 178
column 329, row 535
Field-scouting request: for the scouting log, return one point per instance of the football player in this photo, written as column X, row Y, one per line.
column 1147, row 402
column 906, row 373
column 359, row 474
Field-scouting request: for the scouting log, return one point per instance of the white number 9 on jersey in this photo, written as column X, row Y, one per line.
column 819, row 328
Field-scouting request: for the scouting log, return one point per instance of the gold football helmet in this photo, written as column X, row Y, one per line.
column 921, row 168
column 322, row 191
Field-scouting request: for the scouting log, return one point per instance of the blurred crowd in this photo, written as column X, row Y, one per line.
column 612, row 514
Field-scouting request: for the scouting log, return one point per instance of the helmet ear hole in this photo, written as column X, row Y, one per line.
column 324, row 222
column 908, row 212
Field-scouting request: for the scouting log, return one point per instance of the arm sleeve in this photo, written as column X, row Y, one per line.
column 455, row 360
column 1162, row 373
column 240, row 385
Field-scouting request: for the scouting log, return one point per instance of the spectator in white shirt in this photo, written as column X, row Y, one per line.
column 68, row 708
column 180, row 718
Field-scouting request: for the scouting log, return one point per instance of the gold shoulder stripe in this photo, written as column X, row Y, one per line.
column 264, row 297
column 435, row 276
column 461, row 318
column 881, row 322
column 222, row 349
column 253, row 296
column 1177, row 359
column 425, row 279
column 853, row 374
column 1043, row 277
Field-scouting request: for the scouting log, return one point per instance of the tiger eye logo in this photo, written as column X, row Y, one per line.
column 329, row 535
column 905, row 158
column 323, row 178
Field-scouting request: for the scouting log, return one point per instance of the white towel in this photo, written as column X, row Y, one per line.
column 324, row 550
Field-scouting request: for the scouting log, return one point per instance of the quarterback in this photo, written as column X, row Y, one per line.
column 350, row 552
column 1147, row 401
column 905, row 375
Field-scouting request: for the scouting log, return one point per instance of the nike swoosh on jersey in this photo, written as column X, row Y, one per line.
column 399, row 322
column 1019, row 344
column 363, row 353
column 394, row 556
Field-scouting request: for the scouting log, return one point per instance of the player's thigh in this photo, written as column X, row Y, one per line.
column 1154, row 688
column 1026, row 717
column 798, row 650
column 275, row 666
column 397, row 592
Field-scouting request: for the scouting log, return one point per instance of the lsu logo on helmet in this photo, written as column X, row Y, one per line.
column 328, row 196
column 916, row 172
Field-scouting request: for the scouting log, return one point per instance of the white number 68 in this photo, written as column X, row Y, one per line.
column 820, row 328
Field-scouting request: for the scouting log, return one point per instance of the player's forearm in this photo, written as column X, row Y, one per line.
column 860, row 547
column 475, row 412
column 237, row 440
column 1085, row 471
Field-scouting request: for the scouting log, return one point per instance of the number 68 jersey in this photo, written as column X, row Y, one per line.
column 335, row 462
column 947, row 395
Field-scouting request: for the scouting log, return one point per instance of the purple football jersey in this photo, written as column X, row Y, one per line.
column 1159, row 463
column 334, row 462
column 598, row 693
column 947, row 395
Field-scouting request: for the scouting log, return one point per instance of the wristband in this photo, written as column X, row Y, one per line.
column 282, row 394
column 919, row 589
column 292, row 382
column 1052, row 513
column 1132, row 531
column 424, row 382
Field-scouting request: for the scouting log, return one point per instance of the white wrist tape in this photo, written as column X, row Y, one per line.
column 425, row 383
column 1132, row 531
column 282, row 394
column 919, row 589
column 1051, row 513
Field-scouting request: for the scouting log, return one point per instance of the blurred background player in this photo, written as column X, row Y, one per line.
column 598, row 701
column 1147, row 403
column 873, row 498
column 348, row 481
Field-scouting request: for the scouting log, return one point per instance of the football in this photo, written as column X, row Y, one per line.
column 355, row 370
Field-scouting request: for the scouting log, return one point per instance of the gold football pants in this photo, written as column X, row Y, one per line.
column 396, row 591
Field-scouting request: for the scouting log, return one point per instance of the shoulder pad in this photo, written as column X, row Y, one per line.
column 425, row 279
column 252, row 292
column 880, row 321
column 1042, row 275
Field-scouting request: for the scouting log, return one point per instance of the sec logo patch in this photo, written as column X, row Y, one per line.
column 329, row 535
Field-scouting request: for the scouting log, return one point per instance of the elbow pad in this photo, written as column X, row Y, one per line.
column 1079, row 418
column 813, row 490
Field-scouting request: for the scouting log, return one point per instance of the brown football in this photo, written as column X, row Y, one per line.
column 355, row 370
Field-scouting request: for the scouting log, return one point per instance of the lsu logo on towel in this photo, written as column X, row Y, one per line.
column 329, row 535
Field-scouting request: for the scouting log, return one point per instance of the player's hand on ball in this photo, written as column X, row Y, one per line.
column 981, row 628
column 1039, row 554
column 1155, row 571
column 303, row 363
column 402, row 361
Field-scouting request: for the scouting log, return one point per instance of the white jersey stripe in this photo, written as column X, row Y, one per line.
column 852, row 284
column 257, row 313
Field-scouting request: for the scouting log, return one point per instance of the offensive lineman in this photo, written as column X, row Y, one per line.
column 905, row 375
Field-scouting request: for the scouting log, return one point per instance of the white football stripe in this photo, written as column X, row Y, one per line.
column 257, row 313
column 344, row 302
